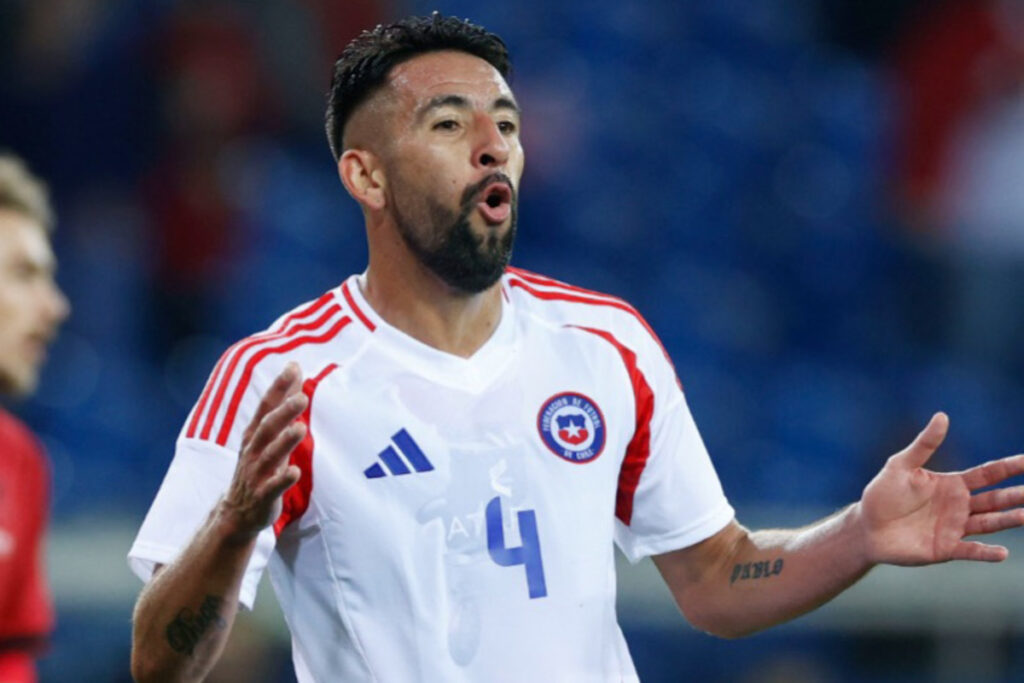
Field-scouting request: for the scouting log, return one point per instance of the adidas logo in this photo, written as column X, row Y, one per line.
column 393, row 460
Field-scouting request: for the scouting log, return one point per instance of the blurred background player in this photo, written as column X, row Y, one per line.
column 31, row 309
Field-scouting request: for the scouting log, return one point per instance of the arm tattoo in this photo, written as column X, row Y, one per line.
column 755, row 570
column 187, row 629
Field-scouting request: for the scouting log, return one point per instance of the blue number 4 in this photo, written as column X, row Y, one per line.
column 528, row 554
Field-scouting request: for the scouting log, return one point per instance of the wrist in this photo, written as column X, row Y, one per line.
column 230, row 527
column 859, row 535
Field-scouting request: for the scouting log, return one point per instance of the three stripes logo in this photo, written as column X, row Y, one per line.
column 394, row 462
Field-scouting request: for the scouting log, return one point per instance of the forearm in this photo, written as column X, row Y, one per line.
column 184, row 615
column 759, row 579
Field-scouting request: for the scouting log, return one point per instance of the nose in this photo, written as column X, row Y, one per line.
column 492, row 148
column 56, row 304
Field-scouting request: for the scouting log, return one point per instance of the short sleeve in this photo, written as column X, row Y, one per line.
column 678, row 500
column 208, row 445
column 204, row 463
column 198, row 476
column 669, row 495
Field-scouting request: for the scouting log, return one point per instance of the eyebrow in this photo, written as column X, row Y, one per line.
column 460, row 102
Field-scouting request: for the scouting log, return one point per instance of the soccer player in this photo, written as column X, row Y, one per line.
column 31, row 309
column 435, row 458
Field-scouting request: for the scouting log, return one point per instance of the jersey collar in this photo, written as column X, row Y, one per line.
column 473, row 373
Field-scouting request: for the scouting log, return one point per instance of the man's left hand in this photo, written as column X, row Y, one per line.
column 913, row 516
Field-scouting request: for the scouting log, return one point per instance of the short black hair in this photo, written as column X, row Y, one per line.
column 365, row 63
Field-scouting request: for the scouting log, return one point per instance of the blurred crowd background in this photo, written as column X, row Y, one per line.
column 819, row 206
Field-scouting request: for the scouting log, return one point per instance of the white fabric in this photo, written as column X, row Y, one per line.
column 390, row 578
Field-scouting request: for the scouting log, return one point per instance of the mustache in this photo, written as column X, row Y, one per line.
column 470, row 193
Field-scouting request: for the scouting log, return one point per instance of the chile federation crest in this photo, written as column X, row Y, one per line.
column 572, row 427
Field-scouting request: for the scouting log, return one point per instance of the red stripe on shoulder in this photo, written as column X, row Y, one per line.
column 565, row 292
column 295, row 501
column 296, row 326
column 546, row 281
column 569, row 295
column 239, row 348
column 243, row 383
column 639, row 449
column 355, row 308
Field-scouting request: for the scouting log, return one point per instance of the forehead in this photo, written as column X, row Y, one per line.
column 22, row 239
column 447, row 72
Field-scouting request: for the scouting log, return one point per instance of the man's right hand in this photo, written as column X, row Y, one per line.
column 169, row 642
column 262, row 475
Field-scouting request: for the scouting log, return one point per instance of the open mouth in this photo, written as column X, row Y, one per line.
column 496, row 205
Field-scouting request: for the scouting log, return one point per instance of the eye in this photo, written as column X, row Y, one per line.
column 507, row 127
column 447, row 124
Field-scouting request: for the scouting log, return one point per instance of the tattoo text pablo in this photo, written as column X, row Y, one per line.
column 187, row 629
column 755, row 570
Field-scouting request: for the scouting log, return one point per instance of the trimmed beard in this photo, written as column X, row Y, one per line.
column 463, row 260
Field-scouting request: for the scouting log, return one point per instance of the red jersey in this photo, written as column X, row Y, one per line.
column 26, row 611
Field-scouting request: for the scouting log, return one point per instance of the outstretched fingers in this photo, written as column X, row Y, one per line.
column 284, row 385
column 273, row 459
column 991, row 522
column 280, row 482
column 278, row 450
column 276, row 423
column 925, row 444
column 993, row 472
column 979, row 552
column 998, row 499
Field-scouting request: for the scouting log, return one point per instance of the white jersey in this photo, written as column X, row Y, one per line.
column 455, row 517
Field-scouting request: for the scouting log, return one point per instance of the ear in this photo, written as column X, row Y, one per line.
column 363, row 177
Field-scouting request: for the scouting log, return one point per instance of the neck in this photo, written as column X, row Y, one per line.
column 414, row 300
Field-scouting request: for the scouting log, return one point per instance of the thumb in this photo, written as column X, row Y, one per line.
column 927, row 442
